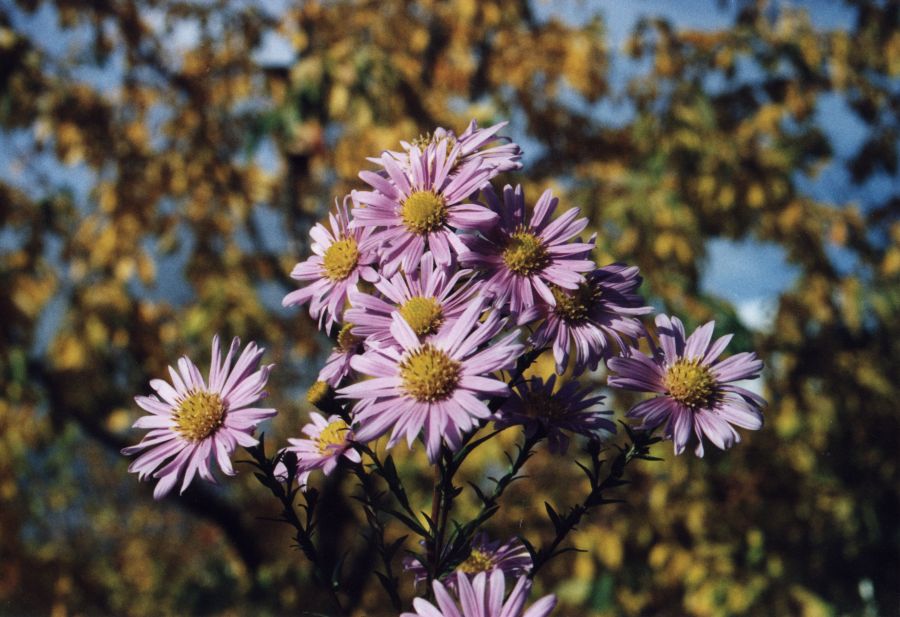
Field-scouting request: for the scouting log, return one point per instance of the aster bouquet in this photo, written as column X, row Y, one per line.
column 440, row 292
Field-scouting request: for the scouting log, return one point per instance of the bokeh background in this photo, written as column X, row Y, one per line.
column 161, row 163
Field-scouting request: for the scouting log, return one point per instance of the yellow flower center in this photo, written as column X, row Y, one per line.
column 424, row 315
column 429, row 374
column 424, row 212
column 317, row 392
column 425, row 140
column 690, row 383
column 476, row 562
column 199, row 415
column 332, row 435
column 525, row 253
column 573, row 306
column 346, row 340
column 341, row 258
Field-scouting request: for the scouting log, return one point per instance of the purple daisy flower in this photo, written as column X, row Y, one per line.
column 485, row 556
column 536, row 406
column 191, row 421
column 502, row 157
column 520, row 258
column 483, row 597
column 696, row 391
column 337, row 366
column 427, row 299
column 342, row 256
column 602, row 310
column 434, row 385
column 328, row 441
column 422, row 205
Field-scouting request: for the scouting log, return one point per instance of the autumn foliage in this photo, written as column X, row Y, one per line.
column 159, row 181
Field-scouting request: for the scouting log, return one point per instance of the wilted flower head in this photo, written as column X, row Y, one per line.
column 522, row 260
column 536, row 406
column 341, row 257
column 483, row 597
column 436, row 385
column 596, row 318
column 696, row 391
column 192, row 421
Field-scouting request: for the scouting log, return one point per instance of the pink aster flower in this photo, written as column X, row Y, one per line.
column 697, row 393
column 422, row 205
column 485, row 556
column 435, row 385
column 337, row 366
column 483, row 597
column 341, row 257
column 328, row 441
column 520, row 259
column 536, row 406
column 192, row 421
column 427, row 299
column 503, row 156
column 601, row 311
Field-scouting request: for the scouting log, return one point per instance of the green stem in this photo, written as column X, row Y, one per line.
column 445, row 493
column 389, row 473
column 525, row 452
column 638, row 448
column 432, row 547
column 303, row 537
column 371, row 507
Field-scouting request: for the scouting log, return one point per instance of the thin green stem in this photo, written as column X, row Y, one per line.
column 439, row 556
column 432, row 545
column 461, row 539
column 371, row 506
column 638, row 448
column 286, row 493
column 446, row 494
column 389, row 474
column 525, row 452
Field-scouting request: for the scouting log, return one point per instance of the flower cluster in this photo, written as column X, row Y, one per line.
column 432, row 348
column 457, row 267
